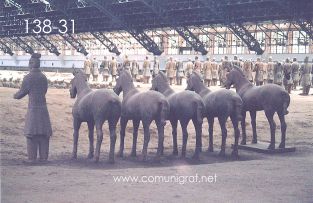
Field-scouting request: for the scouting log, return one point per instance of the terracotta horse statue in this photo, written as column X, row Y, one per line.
column 141, row 106
column 184, row 106
column 270, row 97
column 221, row 104
column 94, row 107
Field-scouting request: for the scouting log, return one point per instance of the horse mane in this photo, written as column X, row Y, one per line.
column 196, row 73
column 239, row 70
column 163, row 75
column 127, row 74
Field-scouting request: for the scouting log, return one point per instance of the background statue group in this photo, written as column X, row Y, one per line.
column 159, row 104
column 289, row 73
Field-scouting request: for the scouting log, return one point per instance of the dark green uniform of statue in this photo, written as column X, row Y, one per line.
column 37, row 122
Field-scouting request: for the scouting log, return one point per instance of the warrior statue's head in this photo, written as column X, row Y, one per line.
column 34, row 61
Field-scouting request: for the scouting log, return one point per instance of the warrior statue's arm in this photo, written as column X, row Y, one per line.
column 23, row 91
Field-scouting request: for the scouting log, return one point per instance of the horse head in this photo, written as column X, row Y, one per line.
column 124, row 80
column 79, row 78
column 233, row 76
column 158, row 80
column 193, row 80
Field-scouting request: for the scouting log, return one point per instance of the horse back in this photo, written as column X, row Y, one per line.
column 269, row 96
column 99, row 104
column 183, row 105
column 143, row 105
column 221, row 103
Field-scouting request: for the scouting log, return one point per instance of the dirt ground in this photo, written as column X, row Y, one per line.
column 254, row 177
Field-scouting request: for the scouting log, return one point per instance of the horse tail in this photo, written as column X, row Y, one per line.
column 286, row 102
column 199, row 107
column 164, row 111
column 237, row 104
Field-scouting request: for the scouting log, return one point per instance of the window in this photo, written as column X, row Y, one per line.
column 300, row 42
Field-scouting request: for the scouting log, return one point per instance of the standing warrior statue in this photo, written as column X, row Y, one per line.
column 126, row 64
column 135, row 70
column 214, row 72
column 295, row 67
column 188, row 69
column 287, row 76
column 95, row 69
column 37, row 122
column 179, row 72
column 236, row 62
column 105, row 69
column 156, row 67
column 270, row 70
column 113, row 68
column 170, row 70
column 87, row 67
column 278, row 74
column 306, row 76
column 225, row 68
column 259, row 72
column 207, row 72
column 146, row 70
column 197, row 66
column 247, row 70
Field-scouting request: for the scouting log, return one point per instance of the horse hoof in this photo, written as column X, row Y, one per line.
column 133, row 154
column 210, row 149
column 96, row 160
column 111, row 161
column 254, row 141
column 243, row 142
column 74, row 157
column 282, row 145
column 271, row 147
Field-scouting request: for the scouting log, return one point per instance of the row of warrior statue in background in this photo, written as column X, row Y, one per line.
column 289, row 73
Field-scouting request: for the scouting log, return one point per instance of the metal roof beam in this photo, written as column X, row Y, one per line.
column 139, row 35
column 5, row 48
column 19, row 42
column 106, row 42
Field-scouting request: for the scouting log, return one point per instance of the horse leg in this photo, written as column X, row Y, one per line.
column 243, row 128
column 184, row 124
column 91, row 126
column 283, row 129
column 222, row 121
column 174, row 134
column 76, row 125
column 112, row 128
column 234, row 120
column 122, row 135
column 198, row 127
column 253, row 123
column 269, row 115
column 135, row 135
column 146, row 125
column 160, row 127
column 99, row 139
column 211, row 124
